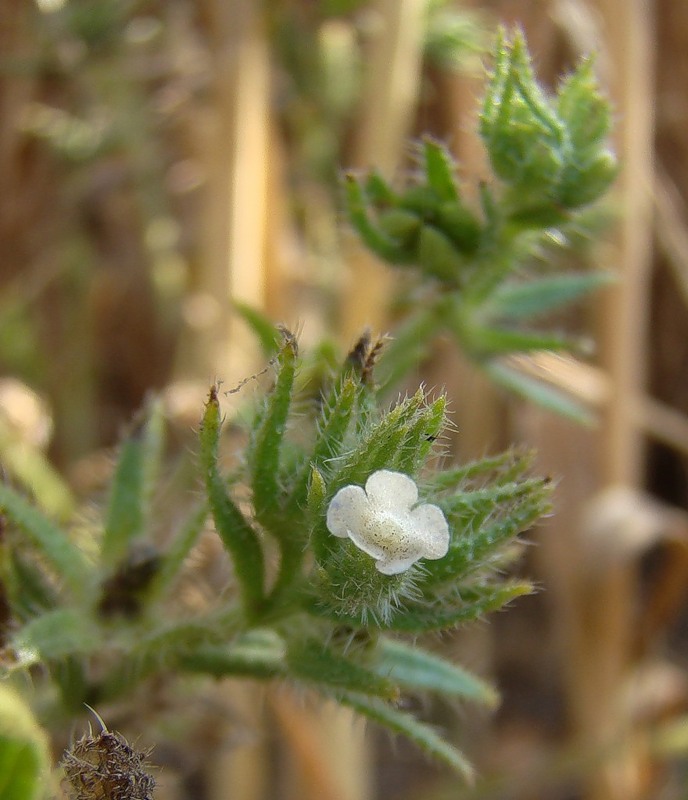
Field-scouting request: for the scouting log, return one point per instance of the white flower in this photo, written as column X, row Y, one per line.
column 382, row 522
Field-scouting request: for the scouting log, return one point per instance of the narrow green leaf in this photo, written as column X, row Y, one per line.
column 541, row 296
column 503, row 466
column 312, row 662
column 24, row 750
column 417, row 669
column 540, row 393
column 333, row 425
column 153, row 447
column 256, row 654
column 486, row 341
column 237, row 535
column 475, row 603
column 378, row 445
column 49, row 540
column 420, row 437
column 420, row 734
column 27, row 585
column 264, row 452
column 124, row 518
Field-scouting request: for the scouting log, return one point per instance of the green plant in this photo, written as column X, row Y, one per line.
column 551, row 159
column 346, row 531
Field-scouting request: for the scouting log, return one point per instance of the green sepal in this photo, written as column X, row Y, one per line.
column 401, row 226
column 583, row 109
column 383, row 245
column 532, row 298
column 378, row 191
column 237, row 535
column 438, row 256
column 420, row 734
column 263, row 454
column 49, row 540
column 539, row 393
column 440, row 170
column 124, row 517
column 583, row 182
column 415, row 669
column 461, row 226
column 24, row 751
column 311, row 662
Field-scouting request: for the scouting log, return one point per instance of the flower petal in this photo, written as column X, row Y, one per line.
column 432, row 527
column 347, row 511
column 393, row 566
column 391, row 490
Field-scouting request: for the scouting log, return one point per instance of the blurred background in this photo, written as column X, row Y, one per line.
column 159, row 160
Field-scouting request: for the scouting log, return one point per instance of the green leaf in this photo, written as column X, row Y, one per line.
column 24, row 750
column 153, row 443
column 256, row 654
column 416, row 669
column 312, row 662
column 237, row 535
column 124, row 519
column 378, row 445
column 420, row 734
column 264, row 452
column 474, row 603
column 483, row 341
column 541, row 296
column 334, row 422
column 55, row 635
column 420, row 437
column 50, row 541
column 540, row 393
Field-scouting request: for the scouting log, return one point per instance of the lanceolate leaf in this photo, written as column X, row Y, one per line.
column 533, row 298
column 538, row 392
column 312, row 662
column 399, row 722
column 264, row 453
column 416, row 669
column 124, row 520
column 237, row 535
column 49, row 540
